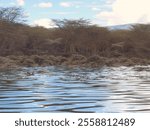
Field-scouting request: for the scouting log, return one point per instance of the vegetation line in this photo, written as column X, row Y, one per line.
column 70, row 42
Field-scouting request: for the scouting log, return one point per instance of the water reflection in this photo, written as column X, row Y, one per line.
column 58, row 89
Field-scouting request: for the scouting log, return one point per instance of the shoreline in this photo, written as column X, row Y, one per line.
column 12, row 61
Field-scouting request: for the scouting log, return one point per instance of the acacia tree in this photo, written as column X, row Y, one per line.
column 80, row 36
column 12, row 14
column 69, row 30
column 65, row 23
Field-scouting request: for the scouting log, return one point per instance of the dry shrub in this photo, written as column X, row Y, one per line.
column 119, row 35
column 77, row 59
column 73, row 37
column 96, row 59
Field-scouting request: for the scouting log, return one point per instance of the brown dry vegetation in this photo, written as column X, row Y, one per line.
column 18, row 39
column 73, row 42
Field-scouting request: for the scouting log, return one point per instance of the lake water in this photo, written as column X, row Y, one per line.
column 62, row 89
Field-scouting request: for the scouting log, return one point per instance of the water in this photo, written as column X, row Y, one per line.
column 60, row 89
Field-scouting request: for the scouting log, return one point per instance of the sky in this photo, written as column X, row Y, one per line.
column 101, row 12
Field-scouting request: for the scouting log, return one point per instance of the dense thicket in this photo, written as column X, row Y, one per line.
column 73, row 37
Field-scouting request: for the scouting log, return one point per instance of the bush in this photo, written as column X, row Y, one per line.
column 73, row 37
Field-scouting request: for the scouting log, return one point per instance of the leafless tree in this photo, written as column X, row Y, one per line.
column 12, row 14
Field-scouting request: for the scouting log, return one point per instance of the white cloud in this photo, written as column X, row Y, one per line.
column 95, row 8
column 45, row 5
column 63, row 13
column 110, row 1
column 65, row 4
column 45, row 22
column 126, row 11
column 76, row 4
column 20, row 2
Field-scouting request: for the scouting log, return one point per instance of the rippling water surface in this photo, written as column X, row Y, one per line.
column 58, row 89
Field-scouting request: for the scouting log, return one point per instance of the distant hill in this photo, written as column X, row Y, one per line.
column 118, row 27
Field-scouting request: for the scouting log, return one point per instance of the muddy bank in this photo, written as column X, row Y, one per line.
column 74, row 60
